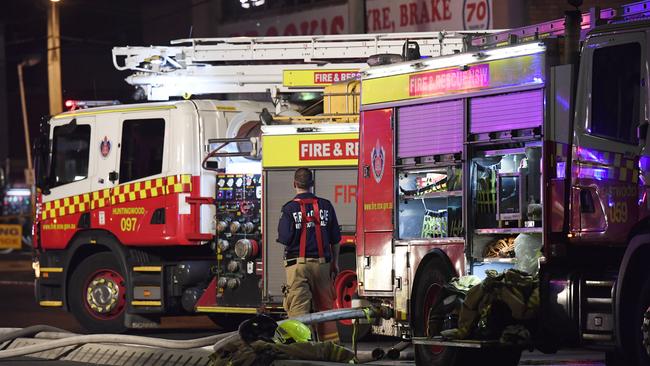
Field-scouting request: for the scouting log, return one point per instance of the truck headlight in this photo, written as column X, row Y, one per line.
column 246, row 249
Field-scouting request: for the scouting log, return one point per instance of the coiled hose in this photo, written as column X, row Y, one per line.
column 217, row 340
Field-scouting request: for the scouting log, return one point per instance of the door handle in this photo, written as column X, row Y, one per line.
column 366, row 171
column 100, row 180
column 113, row 176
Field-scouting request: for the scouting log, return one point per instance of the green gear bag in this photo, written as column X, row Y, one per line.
column 500, row 301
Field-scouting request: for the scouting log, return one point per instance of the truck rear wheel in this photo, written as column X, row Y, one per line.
column 425, row 323
column 426, row 290
column 345, row 287
column 97, row 294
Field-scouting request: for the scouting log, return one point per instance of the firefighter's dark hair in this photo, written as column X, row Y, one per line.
column 303, row 178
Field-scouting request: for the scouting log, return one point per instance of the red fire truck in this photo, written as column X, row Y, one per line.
column 526, row 136
column 168, row 208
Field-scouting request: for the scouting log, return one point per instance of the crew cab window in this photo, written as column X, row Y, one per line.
column 70, row 154
column 616, row 82
column 142, row 148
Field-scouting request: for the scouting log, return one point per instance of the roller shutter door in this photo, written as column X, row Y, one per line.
column 507, row 112
column 430, row 129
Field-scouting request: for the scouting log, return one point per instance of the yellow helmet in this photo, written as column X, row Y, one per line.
column 290, row 331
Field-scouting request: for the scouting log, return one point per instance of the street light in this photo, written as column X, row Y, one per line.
column 31, row 61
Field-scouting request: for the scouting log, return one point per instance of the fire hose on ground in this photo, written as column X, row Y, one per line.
column 69, row 339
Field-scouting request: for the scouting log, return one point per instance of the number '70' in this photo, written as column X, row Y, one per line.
column 476, row 9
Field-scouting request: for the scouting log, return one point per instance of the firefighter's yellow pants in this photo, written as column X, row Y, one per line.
column 310, row 288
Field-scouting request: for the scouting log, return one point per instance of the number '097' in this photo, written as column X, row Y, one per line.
column 128, row 223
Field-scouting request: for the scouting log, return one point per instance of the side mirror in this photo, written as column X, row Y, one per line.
column 42, row 158
column 642, row 131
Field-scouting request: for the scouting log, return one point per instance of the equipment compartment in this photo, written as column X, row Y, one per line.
column 506, row 188
column 430, row 202
column 506, row 206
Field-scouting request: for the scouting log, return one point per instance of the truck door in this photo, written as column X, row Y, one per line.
column 72, row 150
column 70, row 175
column 611, row 106
column 139, row 203
column 278, row 190
column 105, row 144
column 375, row 213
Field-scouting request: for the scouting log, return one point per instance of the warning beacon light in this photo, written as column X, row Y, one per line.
column 73, row 104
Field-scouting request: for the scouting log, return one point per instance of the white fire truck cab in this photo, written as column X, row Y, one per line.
column 125, row 193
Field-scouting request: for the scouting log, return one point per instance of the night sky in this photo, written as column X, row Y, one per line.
column 89, row 30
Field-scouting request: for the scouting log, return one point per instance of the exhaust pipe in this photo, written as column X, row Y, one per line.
column 395, row 351
column 370, row 356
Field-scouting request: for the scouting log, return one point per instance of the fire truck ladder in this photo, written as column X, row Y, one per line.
column 596, row 16
column 260, row 64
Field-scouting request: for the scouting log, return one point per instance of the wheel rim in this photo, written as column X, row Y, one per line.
column 645, row 331
column 429, row 300
column 345, row 286
column 105, row 294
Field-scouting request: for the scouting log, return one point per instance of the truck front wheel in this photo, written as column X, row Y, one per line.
column 641, row 326
column 97, row 294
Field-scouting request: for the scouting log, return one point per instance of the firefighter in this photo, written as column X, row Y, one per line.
column 310, row 232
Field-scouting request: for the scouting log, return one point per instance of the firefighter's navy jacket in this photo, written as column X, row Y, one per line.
column 289, row 228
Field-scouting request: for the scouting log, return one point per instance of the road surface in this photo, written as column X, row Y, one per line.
column 18, row 309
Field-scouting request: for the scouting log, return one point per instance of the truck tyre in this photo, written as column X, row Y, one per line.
column 228, row 322
column 97, row 294
column 428, row 287
column 345, row 287
column 641, row 326
column 614, row 358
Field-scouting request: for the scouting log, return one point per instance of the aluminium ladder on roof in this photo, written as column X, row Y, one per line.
column 256, row 64
column 633, row 11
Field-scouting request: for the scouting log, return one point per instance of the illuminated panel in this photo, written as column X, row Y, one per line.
column 316, row 78
column 310, row 150
column 405, row 83
column 449, row 80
